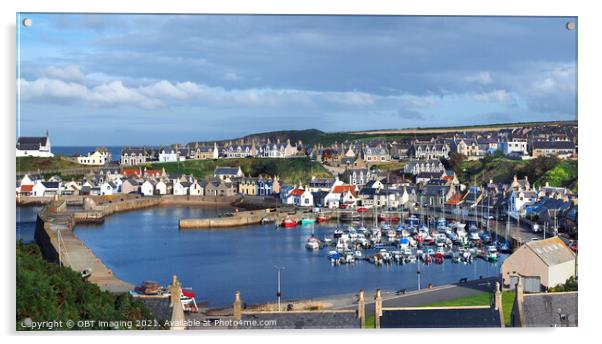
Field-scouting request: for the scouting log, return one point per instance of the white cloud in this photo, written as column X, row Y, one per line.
column 483, row 78
column 495, row 96
column 67, row 73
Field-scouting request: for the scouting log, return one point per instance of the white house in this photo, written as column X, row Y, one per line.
column 41, row 189
column 106, row 188
column 180, row 188
column 99, row 157
column 147, row 188
column 224, row 173
column 168, row 154
column 195, row 189
column 514, row 146
column 519, row 200
column 301, row 197
column 161, row 188
column 34, row 146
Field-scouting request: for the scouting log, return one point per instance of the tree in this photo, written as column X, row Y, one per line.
column 571, row 284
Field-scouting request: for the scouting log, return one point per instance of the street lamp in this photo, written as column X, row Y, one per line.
column 279, row 292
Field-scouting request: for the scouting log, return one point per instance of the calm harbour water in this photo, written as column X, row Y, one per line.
column 26, row 222
column 147, row 245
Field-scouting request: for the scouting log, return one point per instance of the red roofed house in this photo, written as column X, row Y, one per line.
column 130, row 172
column 455, row 199
column 25, row 190
column 300, row 197
column 341, row 193
column 154, row 173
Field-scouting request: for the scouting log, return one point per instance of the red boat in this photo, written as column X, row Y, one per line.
column 288, row 223
column 321, row 219
column 382, row 218
column 362, row 210
column 439, row 258
column 395, row 219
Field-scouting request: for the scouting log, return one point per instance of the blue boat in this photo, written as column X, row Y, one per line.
column 404, row 242
column 334, row 255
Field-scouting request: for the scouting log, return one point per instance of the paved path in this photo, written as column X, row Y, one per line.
column 424, row 296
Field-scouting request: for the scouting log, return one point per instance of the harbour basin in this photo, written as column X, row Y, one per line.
column 148, row 245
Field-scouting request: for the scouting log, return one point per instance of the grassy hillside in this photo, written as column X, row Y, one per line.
column 33, row 164
column 564, row 174
column 500, row 169
column 390, row 166
column 315, row 136
column 292, row 170
column 46, row 291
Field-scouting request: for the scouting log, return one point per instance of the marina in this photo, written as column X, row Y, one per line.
column 147, row 245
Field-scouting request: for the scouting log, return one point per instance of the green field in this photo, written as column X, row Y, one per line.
column 480, row 299
column 315, row 136
column 45, row 291
column 290, row 170
column 34, row 164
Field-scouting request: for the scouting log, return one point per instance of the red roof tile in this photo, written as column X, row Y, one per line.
column 343, row 188
column 26, row 188
column 297, row 192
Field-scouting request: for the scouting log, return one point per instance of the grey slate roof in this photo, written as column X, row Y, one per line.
column 552, row 251
column 440, row 318
column 553, row 145
column 226, row 170
column 550, row 309
column 299, row 320
column 31, row 143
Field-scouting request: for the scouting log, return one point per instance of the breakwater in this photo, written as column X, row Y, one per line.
column 55, row 223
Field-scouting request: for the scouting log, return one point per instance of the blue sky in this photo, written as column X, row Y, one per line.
column 94, row 79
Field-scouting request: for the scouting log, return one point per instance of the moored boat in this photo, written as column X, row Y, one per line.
column 312, row 243
column 289, row 223
column 307, row 221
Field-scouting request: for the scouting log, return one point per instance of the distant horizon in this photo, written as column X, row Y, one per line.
column 452, row 128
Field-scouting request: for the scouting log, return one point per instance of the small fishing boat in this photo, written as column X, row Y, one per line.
column 358, row 254
column 474, row 237
column 410, row 259
column 337, row 233
column 321, row 218
column 362, row 210
column 439, row 258
column 312, row 244
column 492, row 254
column 149, row 288
column 334, row 256
column 288, row 223
column 456, row 257
column 404, row 243
column 307, row 221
